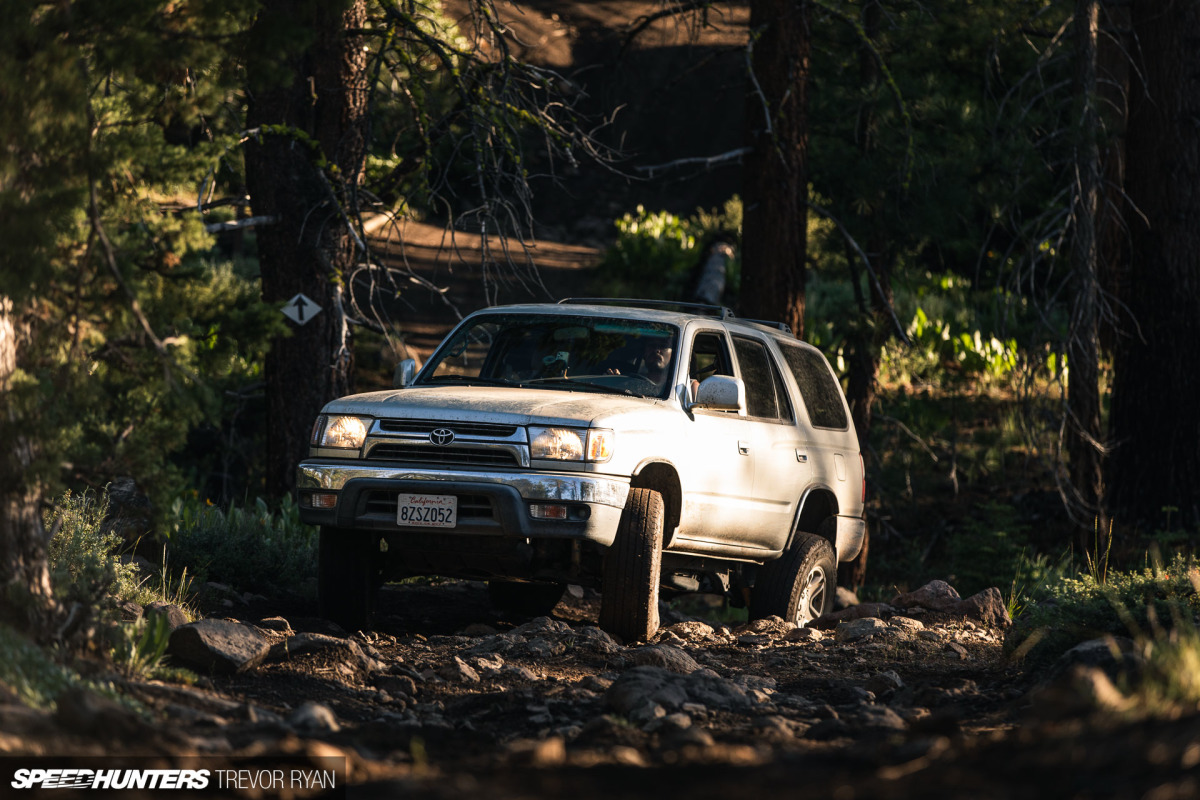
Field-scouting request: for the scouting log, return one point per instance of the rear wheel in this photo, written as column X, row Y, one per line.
column 800, row 585
column 632, row 566
column 534, row 599
column 347, row 577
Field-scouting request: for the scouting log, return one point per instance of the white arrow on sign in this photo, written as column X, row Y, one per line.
column 301, row 309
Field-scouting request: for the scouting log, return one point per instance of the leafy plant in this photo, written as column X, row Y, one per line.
column 655, row 252
column 84, row 562
column 35, row 677
column 1136, row 602
column 249, row 548
column 141, row 645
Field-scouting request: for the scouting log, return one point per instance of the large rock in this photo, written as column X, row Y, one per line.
column 859, row 629
column 691, row 630
column 216, row 645
column 175, row 615
column 935, row 596
column 314, row 719
column 649, row 685
column 768, row 626
column 354, row 654
column 666, row 656
column 987, row 606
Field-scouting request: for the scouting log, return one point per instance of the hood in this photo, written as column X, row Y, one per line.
column 515, row 406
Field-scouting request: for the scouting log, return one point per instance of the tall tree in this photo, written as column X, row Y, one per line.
column 1083, row 429
column 304, row 161
column 25, row 595
column 774, row 233
column 106, row 302
column 1155, row 419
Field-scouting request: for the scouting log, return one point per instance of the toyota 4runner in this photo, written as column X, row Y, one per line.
column 631, row 446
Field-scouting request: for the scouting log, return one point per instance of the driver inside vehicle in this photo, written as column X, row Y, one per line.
column 655, row 362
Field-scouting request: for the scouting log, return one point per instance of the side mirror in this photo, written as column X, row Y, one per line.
column 406, row 370
column 721, row 393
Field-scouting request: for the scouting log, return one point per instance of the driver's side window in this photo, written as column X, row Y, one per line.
column 710, row 356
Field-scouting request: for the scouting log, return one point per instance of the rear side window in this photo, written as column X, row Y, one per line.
column 762, row 382
column 822, row 396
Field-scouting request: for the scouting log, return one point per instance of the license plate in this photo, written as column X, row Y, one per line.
column 427, row 510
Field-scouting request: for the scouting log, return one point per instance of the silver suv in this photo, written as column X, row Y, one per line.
column 632, row 446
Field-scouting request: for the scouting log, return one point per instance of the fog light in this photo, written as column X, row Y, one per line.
column 539, row 511
column 323, row 500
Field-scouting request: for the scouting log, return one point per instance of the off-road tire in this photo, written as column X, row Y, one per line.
column 800, row 585
column 347, row 577
column 534, row 599
column 632, row 567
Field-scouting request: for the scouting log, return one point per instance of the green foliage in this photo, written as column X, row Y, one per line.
column 1171, row 678
column 936, row 351
column 135, row 333
column 35, row 677
column 165, row 586
column 85, row 565
column 253, row 549
column 142, row 645
column 655, row 253
column 1142, row 603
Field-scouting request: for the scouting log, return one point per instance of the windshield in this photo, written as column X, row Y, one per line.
column 620, row 356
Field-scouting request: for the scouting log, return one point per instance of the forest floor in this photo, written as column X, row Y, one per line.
column 450, row 696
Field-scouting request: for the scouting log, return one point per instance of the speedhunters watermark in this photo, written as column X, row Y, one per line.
column 294, row 778
column 67, row 778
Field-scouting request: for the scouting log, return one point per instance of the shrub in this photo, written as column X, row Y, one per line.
column 34, row 676
column 656, row 252
column 85, row 565
column 1143, row 603
column 250, row 549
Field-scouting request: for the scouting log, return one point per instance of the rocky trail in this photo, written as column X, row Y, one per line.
column 451, row 697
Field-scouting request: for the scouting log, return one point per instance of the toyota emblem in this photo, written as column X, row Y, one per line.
column 441, row 436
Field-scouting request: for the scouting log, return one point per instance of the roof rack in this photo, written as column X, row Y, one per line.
column 720, row 312
column 779, row 326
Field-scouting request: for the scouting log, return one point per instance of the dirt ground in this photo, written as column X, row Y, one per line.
column 450, row 697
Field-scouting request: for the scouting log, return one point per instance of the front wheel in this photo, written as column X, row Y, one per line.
column 632, row 567
column 347, row 577
column 800, row 585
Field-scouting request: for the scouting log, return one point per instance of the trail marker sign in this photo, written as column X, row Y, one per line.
column 300, row 309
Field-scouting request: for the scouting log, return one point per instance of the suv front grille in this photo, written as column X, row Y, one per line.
column 472, row 456
column 427, row 426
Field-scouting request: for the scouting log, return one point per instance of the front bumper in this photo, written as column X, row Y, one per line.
column 491, row 502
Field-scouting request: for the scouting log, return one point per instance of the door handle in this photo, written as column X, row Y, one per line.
column 743, row 447
column 802, row 457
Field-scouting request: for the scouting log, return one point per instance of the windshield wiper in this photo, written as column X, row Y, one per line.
column 572, row 382
column 467, row 379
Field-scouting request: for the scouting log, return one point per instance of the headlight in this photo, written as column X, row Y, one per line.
column 570, row 444
column 339, row 431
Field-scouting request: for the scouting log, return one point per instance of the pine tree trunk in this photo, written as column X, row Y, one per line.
column 310, row 121
column 862, row 382
column 1083, row 383
column 776, row 175
column 1155, row 419
column 25, row 597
